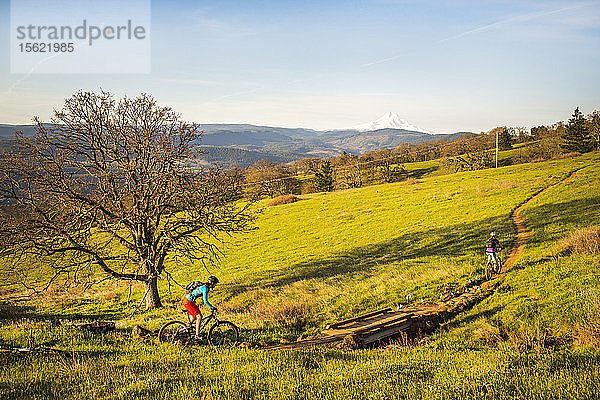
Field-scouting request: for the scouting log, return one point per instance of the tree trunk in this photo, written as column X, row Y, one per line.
column 152, row 297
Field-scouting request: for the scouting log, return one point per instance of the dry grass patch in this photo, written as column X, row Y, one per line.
column 486, row 333
column 281, row 311
column 582, row 241
column 286, row 199
column 588, row 328
column 411, row 181
column 267, row 306
column 523, row 337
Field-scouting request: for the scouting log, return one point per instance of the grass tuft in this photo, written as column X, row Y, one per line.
column 486, row 333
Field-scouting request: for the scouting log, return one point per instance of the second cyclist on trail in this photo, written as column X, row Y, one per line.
column 493, row 247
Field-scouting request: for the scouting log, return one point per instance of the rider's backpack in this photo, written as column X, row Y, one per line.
column 193, row 285
column 493, row 243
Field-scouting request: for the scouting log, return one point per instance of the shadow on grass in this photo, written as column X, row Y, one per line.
column 455, row 241
column 421, row 172
column 9, row 311
column 578, row 212
column 460, row 240
column 487, row 314
column 29, row 390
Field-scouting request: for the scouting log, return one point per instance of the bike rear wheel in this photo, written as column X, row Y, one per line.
column 174, row 332
column 498, row 266
column 490, row 269
column 224, row 333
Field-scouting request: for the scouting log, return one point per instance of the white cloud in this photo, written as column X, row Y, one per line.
column 517, row 19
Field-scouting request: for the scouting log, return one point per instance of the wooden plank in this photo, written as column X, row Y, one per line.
column 390, row 325
column 363, row 316
column 370, row 326
column 362, row 326
column 394, row 330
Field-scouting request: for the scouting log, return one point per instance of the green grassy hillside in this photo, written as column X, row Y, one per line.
column 338, row 254
column 346, row 252
column 549, row 295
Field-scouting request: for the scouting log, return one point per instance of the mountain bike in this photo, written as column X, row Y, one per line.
column 492, row 267
column 217, row 333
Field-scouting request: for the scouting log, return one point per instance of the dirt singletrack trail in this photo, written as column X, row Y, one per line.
column 524, row 233
column 375, row 326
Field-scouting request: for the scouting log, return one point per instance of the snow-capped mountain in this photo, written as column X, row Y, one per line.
column 390, row 120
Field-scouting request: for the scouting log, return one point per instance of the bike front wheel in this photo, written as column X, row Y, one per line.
column 174, row 332
column 224, row 333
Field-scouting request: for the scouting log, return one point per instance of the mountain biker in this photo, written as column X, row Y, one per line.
column 189, row 302
column 493, row 246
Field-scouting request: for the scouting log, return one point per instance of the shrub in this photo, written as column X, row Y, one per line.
column 582, row 241
column 285, row 199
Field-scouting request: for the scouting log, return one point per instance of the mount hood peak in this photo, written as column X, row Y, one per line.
column 390, row 120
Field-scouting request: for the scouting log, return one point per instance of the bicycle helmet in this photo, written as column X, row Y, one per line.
column 213, row 280
column 493, row 234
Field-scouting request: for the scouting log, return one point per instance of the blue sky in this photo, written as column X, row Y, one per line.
column 442, row 65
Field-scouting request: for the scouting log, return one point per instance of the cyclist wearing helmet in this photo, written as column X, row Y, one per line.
column 189, row 301
column 493, row 246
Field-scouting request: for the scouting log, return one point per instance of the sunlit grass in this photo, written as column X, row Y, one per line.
column 338, row 254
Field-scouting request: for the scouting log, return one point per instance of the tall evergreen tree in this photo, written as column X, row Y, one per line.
column 577, row 136
column 593, row 121
column 504, row 139
column 324, row 177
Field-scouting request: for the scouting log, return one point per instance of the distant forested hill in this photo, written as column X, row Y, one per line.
column 8, row 131
column 244, row 144
column 241, row 157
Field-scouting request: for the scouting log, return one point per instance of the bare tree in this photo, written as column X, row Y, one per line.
column 308, row 165
column 469, row 153
column 268, row 178
column 388, row 168
column 349, row 176
column 109, row 184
